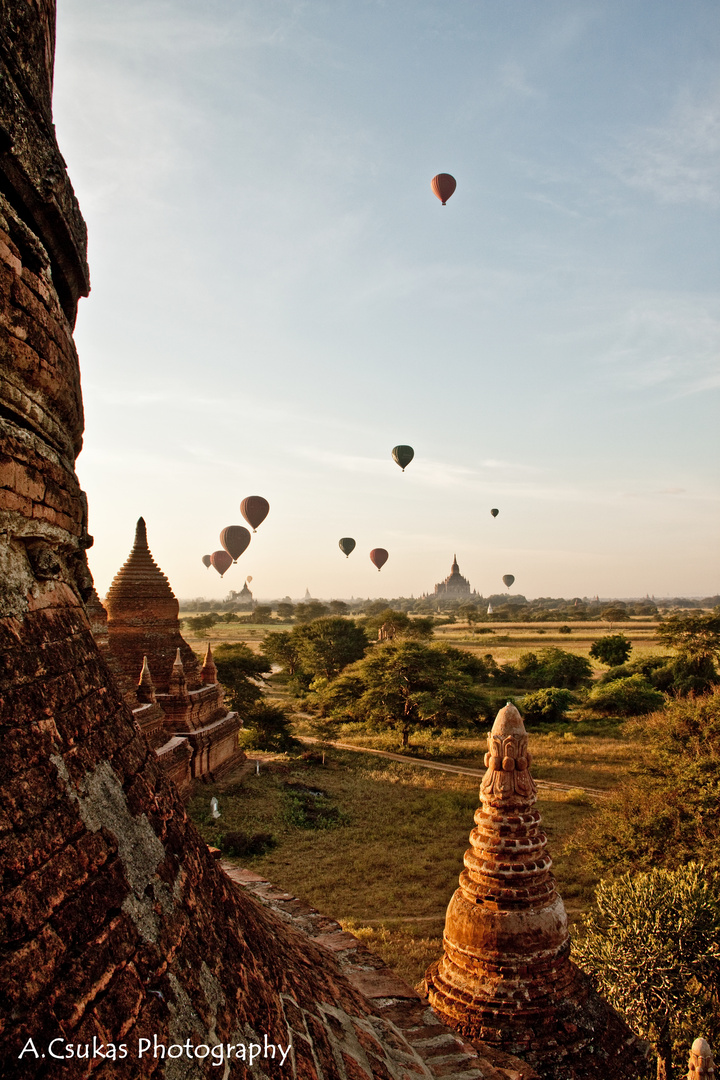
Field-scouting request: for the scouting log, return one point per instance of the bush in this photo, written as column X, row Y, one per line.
column 550, row 704
column 633, row 696
column 308, row 808
column 613, row 649
column 548, row 667
column 267, row 727
column 657, row 670
column 241, row 843
column 564, row 630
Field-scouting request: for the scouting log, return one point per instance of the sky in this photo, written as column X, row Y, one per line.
column 278, row 298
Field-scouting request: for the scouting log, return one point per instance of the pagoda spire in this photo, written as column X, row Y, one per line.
column 505, row 977
column 208, row 672
column 701, row 1065
column 146, row 687
column 178, row 683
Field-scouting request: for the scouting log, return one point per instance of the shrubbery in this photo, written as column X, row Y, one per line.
column 613, row 649
column 242, row 843
column 548, row 705
column 546, row 668
column 267, row 727
column 632, row 696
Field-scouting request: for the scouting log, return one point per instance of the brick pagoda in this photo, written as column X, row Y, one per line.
column 505, row 977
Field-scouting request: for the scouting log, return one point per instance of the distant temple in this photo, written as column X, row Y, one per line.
column 455, row 586
column 243, row 599
column 177, row 703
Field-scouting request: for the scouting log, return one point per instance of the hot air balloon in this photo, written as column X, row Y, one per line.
column 494, row 513
column 254, row 509
column 508, row 580
column 249, row 578
column 443, row 186
column 378, row 557
column 403, row 455
column 221, row 561
column 207, row 561
column 235, row 539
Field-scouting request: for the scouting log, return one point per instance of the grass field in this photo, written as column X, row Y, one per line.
column 388, row 870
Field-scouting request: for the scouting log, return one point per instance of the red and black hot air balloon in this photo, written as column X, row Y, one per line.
column 443, row 186
column 235, row 539
column 207, row 561
column 221, row 561
column 378, row 557
column 254, row 509
column 494, row 513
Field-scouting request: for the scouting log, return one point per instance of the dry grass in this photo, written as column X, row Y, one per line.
column 391, row 869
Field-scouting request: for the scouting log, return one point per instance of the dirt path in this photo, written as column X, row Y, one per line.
column 459, row 770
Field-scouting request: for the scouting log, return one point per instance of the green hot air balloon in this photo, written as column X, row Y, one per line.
column 508, row 580
column 346, row 545
column 403, row 455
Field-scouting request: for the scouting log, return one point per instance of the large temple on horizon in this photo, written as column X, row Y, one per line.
column 455, row 586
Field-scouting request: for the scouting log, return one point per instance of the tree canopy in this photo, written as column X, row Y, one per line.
column 242, row 672
column 613, row 649
column 407, row 685
column 653, row 945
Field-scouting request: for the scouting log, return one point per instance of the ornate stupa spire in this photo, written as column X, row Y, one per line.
column 143, row 617
column 177, row 685
column 505, row 976
column 208, row 672
column 146, row 688
column 701, row 1065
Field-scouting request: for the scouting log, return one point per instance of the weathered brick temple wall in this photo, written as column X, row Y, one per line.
column 116, row 924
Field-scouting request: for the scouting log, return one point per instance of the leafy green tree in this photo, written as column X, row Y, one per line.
column 549, row 667
column 407, row 685
column 548, row 705
column 696, row 637
column 653, row 945
column 614, row 614
column 281, row 648
column 242, row 672
column 633, row 696
column 338, row 607
column 285, row 610
column 262, row 613
column 201, row 622
column 268, row 728
column 613, row 649
column 400, row 623
column 326, row 646
column 666, row 812
column 313, row 609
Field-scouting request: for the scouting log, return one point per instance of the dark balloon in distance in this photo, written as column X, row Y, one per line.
column 494, row 513
column 221, row 561
column 346, row 545
column 508, row 580
column 254, row 509
column 443, row 186
column 403, row 455
column 235, row 539
column 378, row 557
column 207, row 561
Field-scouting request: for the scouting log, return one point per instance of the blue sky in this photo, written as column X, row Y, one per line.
column 278, row 298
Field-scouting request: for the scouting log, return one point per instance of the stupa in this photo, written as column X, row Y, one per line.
column 506, row 977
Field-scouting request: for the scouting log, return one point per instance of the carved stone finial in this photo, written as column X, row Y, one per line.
column 146, row 687
column 177, row 683
column 701, row 1065
column 208, row 673
column 508, row 762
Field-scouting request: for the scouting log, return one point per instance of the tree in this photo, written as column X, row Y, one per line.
column 549, row 667
column 665, row 812
column 268, row 728
column 653, row 945
column 281, row 648
column 400, row 624
column 338, row 607
column 242, row 672
column 326, row 646
column 613, row 649
column 548, row 705
column 285, row 610
column 313, row 609
column 262, row 614
column 697, row 640
column 632, row 696
column 407, row 685
column 614, row 614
